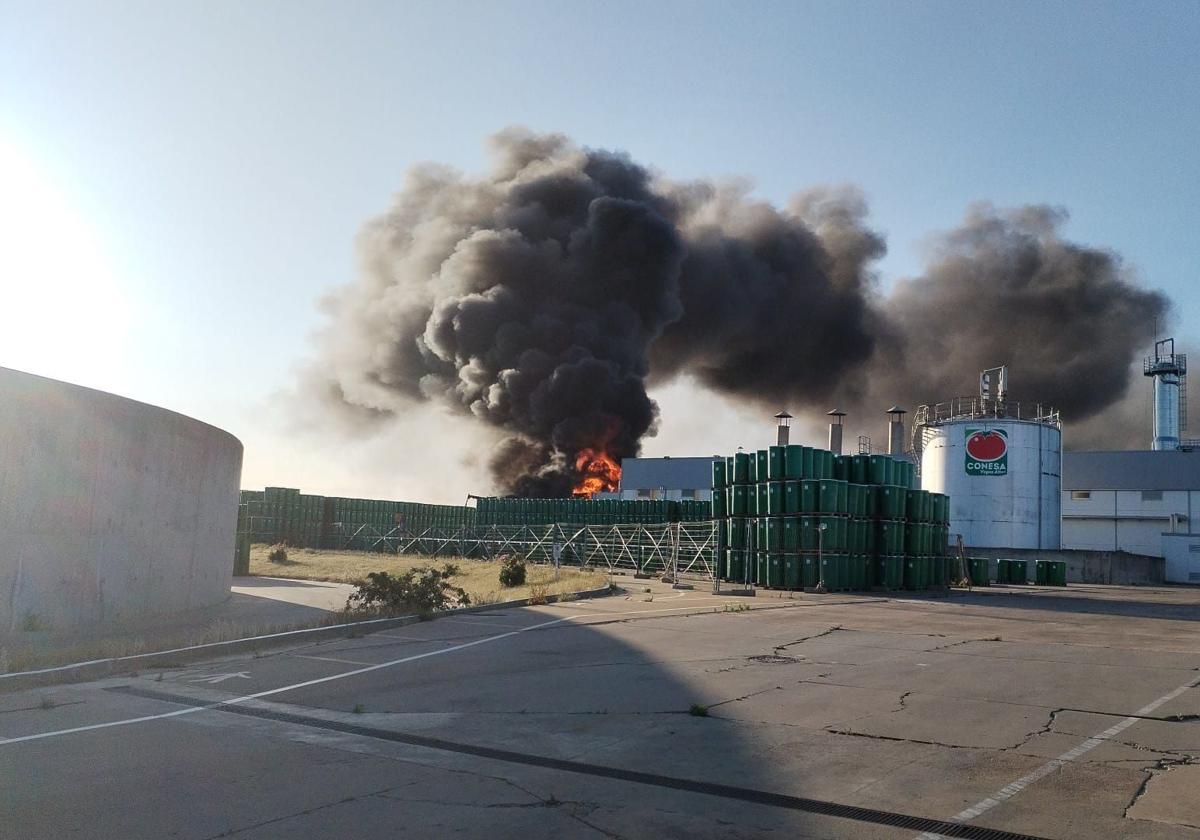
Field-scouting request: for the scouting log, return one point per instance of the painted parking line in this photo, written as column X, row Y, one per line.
column 270, row 692
column 599, row 618
column 1012, row 789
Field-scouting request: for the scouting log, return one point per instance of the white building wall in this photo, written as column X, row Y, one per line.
column 676, row 494
column 1182, row 555
column 1126, row 520
column 110, row 509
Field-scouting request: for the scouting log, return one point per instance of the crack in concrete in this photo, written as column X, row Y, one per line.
column 307, row 811
column 825, row 632
column 745, row 696
column 964, row 642
column 1159, row 766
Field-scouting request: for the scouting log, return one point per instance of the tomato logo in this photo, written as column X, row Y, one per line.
column 987, row 452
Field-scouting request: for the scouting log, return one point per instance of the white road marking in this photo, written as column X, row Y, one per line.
column 329, row 659
column 220, row 678
column 199, row 647
column 1012, row 789
column 237, row 700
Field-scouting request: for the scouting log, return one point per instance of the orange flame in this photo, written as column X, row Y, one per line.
column 599, row 473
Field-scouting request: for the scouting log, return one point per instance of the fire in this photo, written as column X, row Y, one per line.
column 599, row 473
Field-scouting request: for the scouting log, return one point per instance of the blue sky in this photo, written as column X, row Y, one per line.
column 180, row 182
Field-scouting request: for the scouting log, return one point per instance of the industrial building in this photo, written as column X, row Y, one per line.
column 110, row 509
column 1127, row 501
column 675, row 479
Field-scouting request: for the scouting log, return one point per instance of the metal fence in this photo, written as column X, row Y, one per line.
column 684, row 551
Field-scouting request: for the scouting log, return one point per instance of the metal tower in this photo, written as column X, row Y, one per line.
column 1169, row 370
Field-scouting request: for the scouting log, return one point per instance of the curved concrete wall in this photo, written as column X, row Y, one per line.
column 110, row 509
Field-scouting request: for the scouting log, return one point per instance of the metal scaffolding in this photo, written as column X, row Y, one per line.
column 681, row 550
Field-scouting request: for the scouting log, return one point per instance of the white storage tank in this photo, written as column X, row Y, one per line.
column 1001, row 468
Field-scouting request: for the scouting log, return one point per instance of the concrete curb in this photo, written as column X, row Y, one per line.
column 100, row 668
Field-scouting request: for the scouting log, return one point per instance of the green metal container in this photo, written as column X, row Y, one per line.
column 833, row 569
column 841, row 467
column 761, row 461
column 741, row 468
column 735, row 565
column 889, row 536
column 774, row 534
column 980, row 573
column 793, row 461
column 822, row 463
column 763, row 503
column 776, row 463
column 737, row 533
column 809, row 491
column 859, row 468
column 877, row 469
column 793, row 572
column 720, row 503
column 843, row 497
column 791, row 497
column 810, row 572
column 791, row 533
column 1058, row 573
column 912, row 573
column 776, row 505
column 718, row 473
column 1042, row 572
column 808, row 533
column 859, row 571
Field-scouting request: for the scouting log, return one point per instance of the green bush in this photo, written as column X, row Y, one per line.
column 512, row 570
column 278, row 554
column 422, row 590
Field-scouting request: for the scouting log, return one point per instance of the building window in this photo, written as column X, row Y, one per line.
column 687, row 494
column 1151, row 495
column 1080, row 495
column 645, row 494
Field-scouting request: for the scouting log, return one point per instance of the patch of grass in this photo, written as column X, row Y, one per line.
column 696, row 710
column 32, row 623
column 278, row 554
column 478, row 577
column 359, row 709
column 537, row 594
column 737, row 608
column 46, row 703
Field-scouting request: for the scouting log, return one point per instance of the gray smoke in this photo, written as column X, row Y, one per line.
column 1006, row 288
column 543, row 296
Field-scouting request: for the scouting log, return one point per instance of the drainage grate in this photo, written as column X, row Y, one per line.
column 758, row 797
column 774, row 659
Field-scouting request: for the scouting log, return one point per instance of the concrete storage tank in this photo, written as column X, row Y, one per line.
column 110, row 509
column 1001, row 465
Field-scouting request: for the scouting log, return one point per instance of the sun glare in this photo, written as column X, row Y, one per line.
column 62, row 311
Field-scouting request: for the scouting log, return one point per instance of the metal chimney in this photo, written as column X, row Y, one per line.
column 783, row 421
column 835, row 430
column 896, row 430
column 1169, row 370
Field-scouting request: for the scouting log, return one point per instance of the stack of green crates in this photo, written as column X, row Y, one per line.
column 285, row 515
column 793, row 516
column 539, row 513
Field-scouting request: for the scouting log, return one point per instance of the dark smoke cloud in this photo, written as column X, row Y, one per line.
column 528, row 298
column 1006, row 288
column 541, row 298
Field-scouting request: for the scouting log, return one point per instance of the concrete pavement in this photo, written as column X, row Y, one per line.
column 827, row 716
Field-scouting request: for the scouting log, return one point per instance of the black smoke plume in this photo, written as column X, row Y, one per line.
column 543, row 296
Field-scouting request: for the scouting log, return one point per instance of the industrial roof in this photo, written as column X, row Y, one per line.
column 1131, row 470
column 667, row 473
